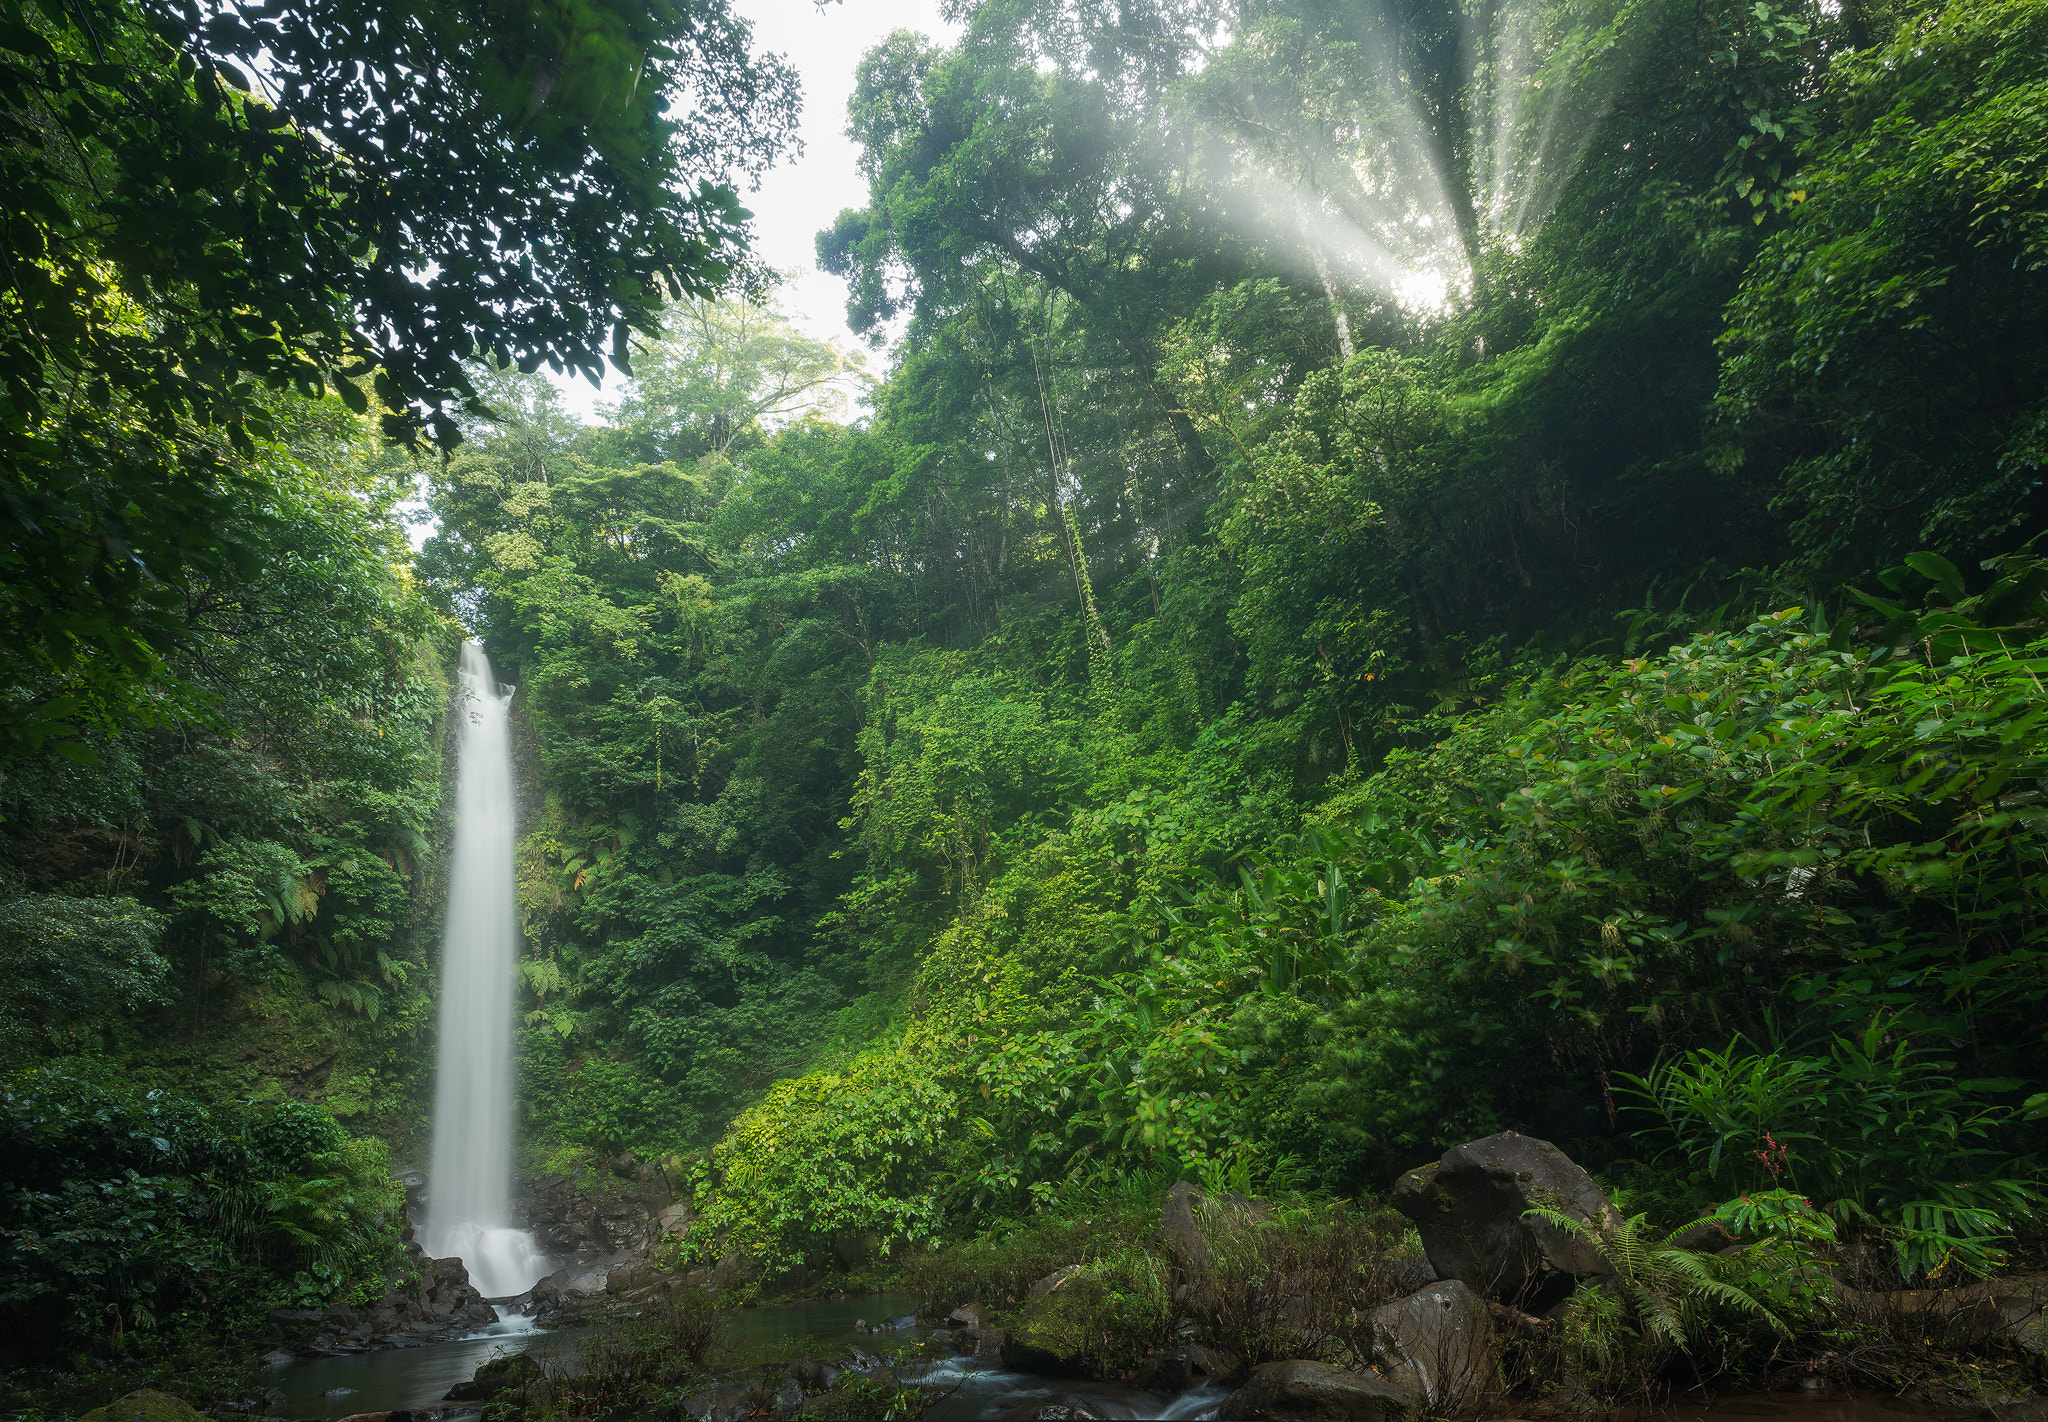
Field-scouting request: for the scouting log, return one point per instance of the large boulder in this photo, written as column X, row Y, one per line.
column 1437, row 1342
column 1472, row 1210
column 1302, row 1389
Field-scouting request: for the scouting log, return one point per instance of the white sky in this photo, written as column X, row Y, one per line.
column 805, row 194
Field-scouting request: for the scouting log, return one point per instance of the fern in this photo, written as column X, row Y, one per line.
column 1661, row 1280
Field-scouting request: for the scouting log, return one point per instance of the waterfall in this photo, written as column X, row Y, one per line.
column 470, row 1205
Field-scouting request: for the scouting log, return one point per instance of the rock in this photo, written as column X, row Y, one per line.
column 148, row 1405
column 1302, row 1389
column 278, row 1359
column 860, row 1360
column 1026, row 1349
column 283, row 1320
column 1212, row 1362
column 2008, row 1304
column 624, row 1278
column 675, row 1221
column 1052, row 1281
column 897, row 1323
column 733, row 1270
column 1178, row 1229
column 496, row 1376
column 1058, row 1409
column 575, row 1281
column 980, row 1342
column 789, row 1396
column 339, row 1392
column 1414, row 1272
column 971, row 1315
column 1471, row 1206
column 1169, row 1373
column 1438, row 1342
column 1185, row 1211
column 813, row 1375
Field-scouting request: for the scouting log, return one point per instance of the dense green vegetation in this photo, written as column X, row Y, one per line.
column 1395, row 587
column 1157, row 733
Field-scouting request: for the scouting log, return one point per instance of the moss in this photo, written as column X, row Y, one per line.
column 148, row 1405
column 1100, row 1322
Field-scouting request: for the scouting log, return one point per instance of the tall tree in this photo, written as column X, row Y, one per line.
column 303, row 195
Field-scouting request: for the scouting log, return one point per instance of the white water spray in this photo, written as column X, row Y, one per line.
column 469, row 1210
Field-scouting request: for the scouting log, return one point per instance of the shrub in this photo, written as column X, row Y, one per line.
column 854, row 1153
column 124, row 1211
column 1878, row 1132
column 1104, row 1318
column 1286, row 1287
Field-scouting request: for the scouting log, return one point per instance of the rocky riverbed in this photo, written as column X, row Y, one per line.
column 1510, row 1238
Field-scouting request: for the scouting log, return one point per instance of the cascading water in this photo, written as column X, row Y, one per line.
column 469, row 1209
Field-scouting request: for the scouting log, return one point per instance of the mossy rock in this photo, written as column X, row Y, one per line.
column 496, row 1376
column 148, row 1405
column 1098, row 1322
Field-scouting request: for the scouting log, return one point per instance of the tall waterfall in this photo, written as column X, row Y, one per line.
column 469, row 1208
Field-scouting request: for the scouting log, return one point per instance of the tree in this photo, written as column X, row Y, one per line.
column 212, row 200
column 718, row 370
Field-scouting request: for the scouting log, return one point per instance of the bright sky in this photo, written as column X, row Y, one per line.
column 804, row 194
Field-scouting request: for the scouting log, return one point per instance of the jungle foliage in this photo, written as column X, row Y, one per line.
column 1395, row 587
column 140, row 1213
column 1211, row 712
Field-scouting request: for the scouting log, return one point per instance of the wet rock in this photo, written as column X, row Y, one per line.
column 789, row 1396
column 277, row 1358
column 1058, row 1409
column 897, row 1323
column 1437, row 1342
column 148, row 1405
column 575, row 1281
column 1303, row 1389
column 1471, row 1210
column 860, row 1360
column 1169, row 1373
column 971, row 1315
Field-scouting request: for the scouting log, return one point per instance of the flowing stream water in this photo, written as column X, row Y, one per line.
column 469, row 1206
column 980, row 1389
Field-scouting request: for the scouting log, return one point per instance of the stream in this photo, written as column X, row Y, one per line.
column 982, row 1388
